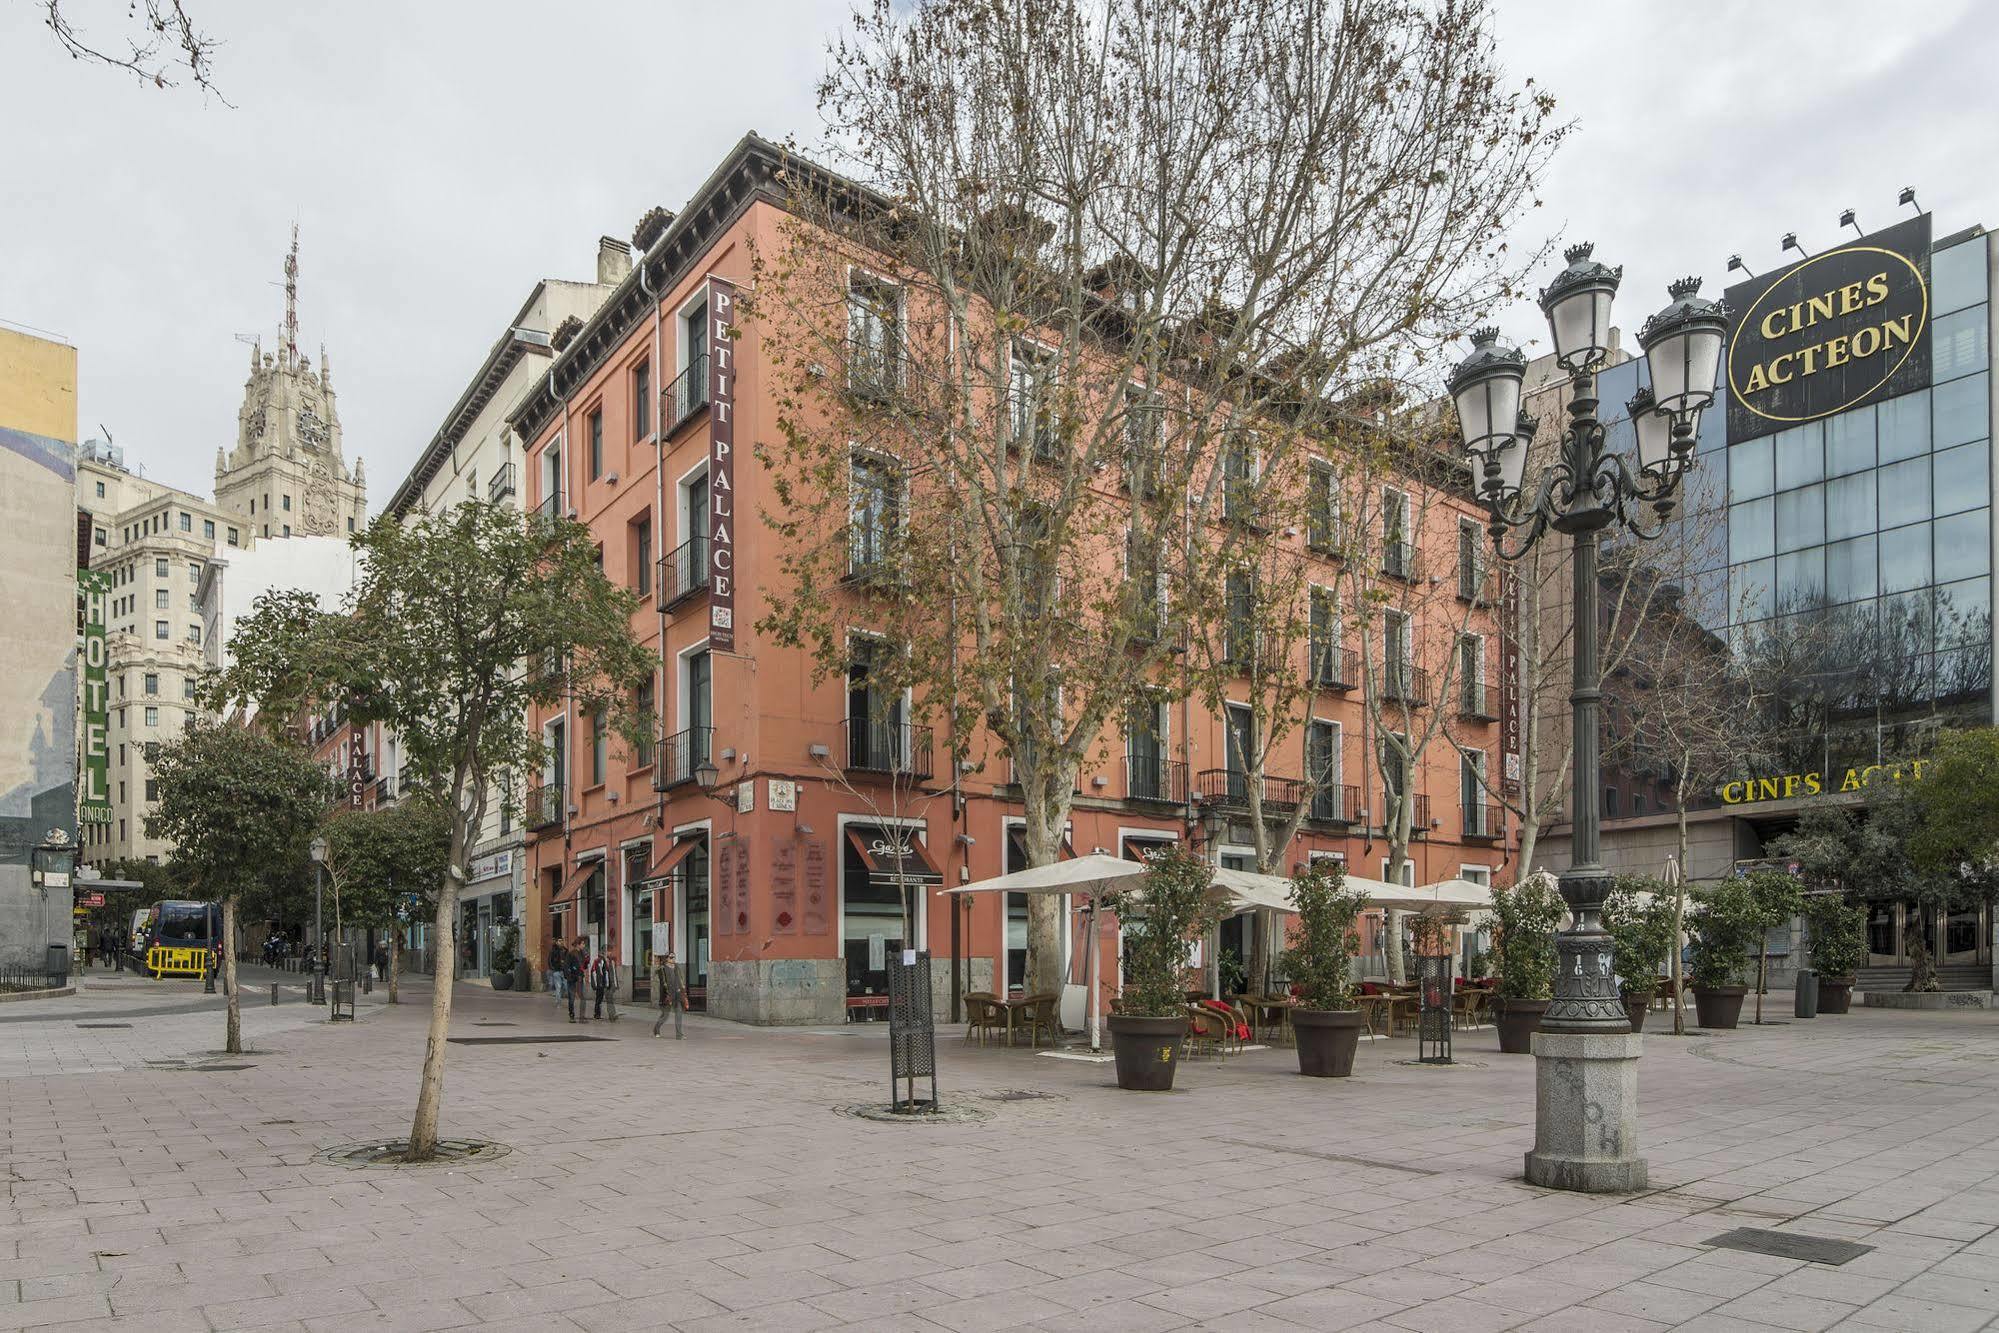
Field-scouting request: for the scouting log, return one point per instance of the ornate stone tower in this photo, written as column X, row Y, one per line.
column 286, row 475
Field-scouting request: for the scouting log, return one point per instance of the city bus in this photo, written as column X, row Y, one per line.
column 175, row 924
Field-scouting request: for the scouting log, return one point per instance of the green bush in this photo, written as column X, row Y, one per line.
column 1325, row 939
column 1529, row 915
column 1838, row 939
column 1641, row 929
column 1171, row 907
column 506, row 948
column 1728, row 921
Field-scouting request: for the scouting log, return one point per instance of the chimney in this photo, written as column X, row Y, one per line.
column 614, row 261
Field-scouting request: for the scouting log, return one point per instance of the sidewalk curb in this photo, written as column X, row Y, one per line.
column 54, row 993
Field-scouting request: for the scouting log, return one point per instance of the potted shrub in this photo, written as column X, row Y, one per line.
column 1171, row 907
column 1326, row 1022
column 1725, row 926
column 1838, row 944
column 1639, row 916
column 506, row 952
column 1529, row 914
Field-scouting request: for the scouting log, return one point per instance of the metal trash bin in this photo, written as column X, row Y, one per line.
column 58, row 965
column 1807, row 1005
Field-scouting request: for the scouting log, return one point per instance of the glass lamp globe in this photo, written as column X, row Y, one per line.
column 1577, row 304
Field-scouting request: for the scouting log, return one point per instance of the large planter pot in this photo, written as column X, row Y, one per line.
column 503, row 980
column 1835, row 995
column 1636, row 1002
column 1718, row 1006
column 1327, row 1040
column 1518, row 1020
column 1147, row 1051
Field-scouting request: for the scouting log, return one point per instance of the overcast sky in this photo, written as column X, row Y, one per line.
column 440, row 158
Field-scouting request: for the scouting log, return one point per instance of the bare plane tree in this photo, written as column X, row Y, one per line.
column 160, row 40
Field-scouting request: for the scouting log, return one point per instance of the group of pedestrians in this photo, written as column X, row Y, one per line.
column 576, row 974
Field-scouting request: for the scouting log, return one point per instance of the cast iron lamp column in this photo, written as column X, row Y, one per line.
column 1586, row 1056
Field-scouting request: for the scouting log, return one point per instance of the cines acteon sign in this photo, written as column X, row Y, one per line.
column 1790, row 786
column 1836, row 331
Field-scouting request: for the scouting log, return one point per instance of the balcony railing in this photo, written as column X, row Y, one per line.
column 1474, row 584
column 544, row 806
column 501, row 483
column 1334, row 804
column 894, row 749
column 1404, row 683
column 1475, row 702
column 1151, row 778
column 1398, row 560
column 680, row 754
column 688, row 393
column 1419, row 815
column 1335, row 668
column 1484, row 822
column 874, row 372
column 550, row 507
column 686, row 570
column 385, row 789
column 1229, row 789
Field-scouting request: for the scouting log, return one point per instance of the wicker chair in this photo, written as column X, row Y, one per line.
column 1040, row 1016
column 1207, row 1028
column 983, row 1015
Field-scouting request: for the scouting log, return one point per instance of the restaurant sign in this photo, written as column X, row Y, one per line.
column 1836, row 331
column 1790, row 786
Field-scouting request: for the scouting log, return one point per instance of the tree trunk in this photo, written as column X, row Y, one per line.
column 1523, row 859
column 232, row 1042
column 1044, row 910
column 395, row 961
column 1679, row 947
column 430, row 1092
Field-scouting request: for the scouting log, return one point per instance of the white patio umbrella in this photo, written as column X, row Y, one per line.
column 1088, row 876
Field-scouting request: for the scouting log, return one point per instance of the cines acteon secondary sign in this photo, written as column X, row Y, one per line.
column 1790, row 786
column 1833, row 332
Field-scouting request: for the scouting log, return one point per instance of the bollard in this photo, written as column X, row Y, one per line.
column 274, row 995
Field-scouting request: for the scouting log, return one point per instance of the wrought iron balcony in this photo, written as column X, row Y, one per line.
column 892, row 749
column 1398, row 560
column 1404, row 683
column 685, row 570
column 385, row 789
column 688, row 393
column 1335, row 668
column 1229, row 789
column 1474, row 583
column 544, row 806
column 1151, row 778
column 1419, row 815
column 874, row 373
column 680, row 754
column 1475, row 702
column 501, row 483
column 1335, row 805
column 1484, row 822
column 550, row 508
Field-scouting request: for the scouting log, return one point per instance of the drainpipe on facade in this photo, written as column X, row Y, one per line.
column 659, row 555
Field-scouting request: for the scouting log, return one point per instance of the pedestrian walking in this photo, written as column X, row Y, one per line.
column 572, row 979
column 671, row 990
column 604, row 981
column 557, row 960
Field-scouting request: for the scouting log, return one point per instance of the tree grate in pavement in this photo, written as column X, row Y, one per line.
column 524, row 1041
column 947, row 1114
column 1790, row 1245
column 450, row 1152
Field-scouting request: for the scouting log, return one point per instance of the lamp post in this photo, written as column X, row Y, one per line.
column 316, row 988
column 1586, row 1056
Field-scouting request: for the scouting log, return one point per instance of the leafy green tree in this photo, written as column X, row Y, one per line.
column 1529, row 914
column 1640, row 914
column 1838, row 934
column 242, row 808
column 1954, row 807
column 461, row 623
column 1325, row 939
column 1171, row 907
column 385, row 866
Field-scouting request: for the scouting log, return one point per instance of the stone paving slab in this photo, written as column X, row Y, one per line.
column 709, row 1183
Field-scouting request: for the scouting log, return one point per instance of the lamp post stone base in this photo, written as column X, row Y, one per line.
column 1586, row 1113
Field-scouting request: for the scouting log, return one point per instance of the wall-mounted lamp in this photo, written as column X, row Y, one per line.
column 967, row 839
column 802, row 830
column 1100, row 781
column 818, row 752
column 728, row 753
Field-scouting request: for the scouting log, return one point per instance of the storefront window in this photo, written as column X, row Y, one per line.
column 693, row 874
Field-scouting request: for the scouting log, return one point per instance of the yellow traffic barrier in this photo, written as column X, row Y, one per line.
column 165, row 961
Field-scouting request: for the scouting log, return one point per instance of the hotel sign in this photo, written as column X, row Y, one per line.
column 1836, row 331
column 721, row 466
column 93, row 797
column 1790, row 786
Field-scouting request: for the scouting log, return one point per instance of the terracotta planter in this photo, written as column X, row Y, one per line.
column 1718, row 1007
column 1147, row 1051
column 1835, row 995
column 1636, row 1002
column 1518, row 1020
column 1327, row 1040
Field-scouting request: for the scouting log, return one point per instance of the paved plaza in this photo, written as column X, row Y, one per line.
column 715, row 1184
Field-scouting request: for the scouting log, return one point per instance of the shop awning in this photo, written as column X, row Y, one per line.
column 568, row 892
column 670, row 862
column 894, row 864
column 1016, row 841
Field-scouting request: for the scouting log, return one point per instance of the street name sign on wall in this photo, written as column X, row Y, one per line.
column 1836, row 331
column 93, row 797
column 721, row 466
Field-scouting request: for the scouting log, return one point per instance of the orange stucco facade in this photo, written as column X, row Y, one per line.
column 768, row 906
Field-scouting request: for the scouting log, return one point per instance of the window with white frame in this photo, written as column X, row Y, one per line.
column 1398, row 550
column 1322, row 506
column 874, row 513
column 874, row 335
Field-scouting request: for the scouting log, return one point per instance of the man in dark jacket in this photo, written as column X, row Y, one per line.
column 572, row 978
column 668, row 985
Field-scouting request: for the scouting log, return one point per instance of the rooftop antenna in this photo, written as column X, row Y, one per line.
column 291, row 303
column 1735, row 265
column 1846, row 220
column 1908, row 196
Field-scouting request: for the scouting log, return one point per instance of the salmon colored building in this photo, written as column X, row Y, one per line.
column 774, row 883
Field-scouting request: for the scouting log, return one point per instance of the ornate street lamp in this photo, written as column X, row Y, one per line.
column 1586, row 1056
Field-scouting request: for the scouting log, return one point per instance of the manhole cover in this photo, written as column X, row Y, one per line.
column 450, row 1152
column 559, row 1037
column 1789, row 1245
column 104, row 1025
column 216, row 1069
column 951, row 1113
